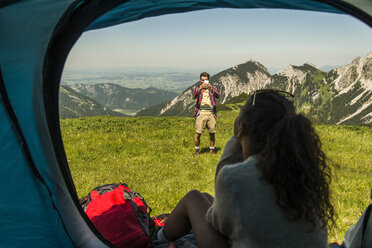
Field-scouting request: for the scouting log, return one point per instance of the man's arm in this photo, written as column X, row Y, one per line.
column 197, row 91
column 215, row 92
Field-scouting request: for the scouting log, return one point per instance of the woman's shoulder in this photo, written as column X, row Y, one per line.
column 242, row 171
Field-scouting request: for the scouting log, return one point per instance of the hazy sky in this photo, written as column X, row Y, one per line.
column 221, row 38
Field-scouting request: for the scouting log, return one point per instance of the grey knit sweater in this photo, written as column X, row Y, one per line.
column 245, row 210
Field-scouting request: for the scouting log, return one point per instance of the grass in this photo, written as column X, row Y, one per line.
column 153, row 155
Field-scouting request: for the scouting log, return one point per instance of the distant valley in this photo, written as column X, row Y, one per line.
column 115, row 99
column 172, row 80
column 74, row 105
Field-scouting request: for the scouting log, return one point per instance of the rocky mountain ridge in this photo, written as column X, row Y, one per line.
column 340, row 96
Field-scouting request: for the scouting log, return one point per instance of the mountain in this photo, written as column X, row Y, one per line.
column 231, row 82
column 124, row 99
column 73, row 105
column 340, row 96
column 353, row 103
column 311, row 88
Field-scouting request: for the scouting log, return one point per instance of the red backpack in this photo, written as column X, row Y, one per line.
column 120, row 214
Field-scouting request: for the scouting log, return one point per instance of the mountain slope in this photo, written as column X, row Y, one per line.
column 353, row 103
column 74, row 105
column 313, row 94
column 120, row 98
column 340, row 96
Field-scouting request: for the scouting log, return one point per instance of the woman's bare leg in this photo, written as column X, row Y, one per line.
column 190, row 214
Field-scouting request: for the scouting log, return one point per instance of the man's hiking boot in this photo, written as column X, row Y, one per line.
column 197, row 153
column 212, row 152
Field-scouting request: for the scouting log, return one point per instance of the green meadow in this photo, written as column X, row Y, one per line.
column 154, row 156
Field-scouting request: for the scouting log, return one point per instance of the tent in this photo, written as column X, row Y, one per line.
column 39, row 205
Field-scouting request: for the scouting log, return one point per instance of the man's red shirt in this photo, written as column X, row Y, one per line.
column 198, row 93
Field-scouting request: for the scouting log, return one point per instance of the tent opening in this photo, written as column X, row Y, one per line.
column 109, row 133
column 36, row 38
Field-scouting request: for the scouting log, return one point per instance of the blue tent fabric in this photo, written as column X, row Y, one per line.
column 134, row 10
column 27, row 211
column 38, row 207
column 25, row 30
column 24, row 199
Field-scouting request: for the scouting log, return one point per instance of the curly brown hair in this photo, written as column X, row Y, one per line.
column 289, row 155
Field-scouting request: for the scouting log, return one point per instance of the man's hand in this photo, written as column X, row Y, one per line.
column 204, row 86
column 209, row 86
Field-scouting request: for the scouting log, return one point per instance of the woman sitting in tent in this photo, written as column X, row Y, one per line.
column 276, row 196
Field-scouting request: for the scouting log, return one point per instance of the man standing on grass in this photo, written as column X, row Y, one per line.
column 205, row 111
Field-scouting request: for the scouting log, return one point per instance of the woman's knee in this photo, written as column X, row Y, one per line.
column 194, row 195
column 208, row 196
column 196, row 199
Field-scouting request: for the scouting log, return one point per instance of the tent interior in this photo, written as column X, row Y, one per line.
column 40, row 206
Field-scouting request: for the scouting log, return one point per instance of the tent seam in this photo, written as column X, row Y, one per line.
column 51, row 103
column 24, row 147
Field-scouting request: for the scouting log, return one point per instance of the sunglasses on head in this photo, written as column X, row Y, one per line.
column 286, row 94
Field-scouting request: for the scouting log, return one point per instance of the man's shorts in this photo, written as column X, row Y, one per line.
column 203, row 121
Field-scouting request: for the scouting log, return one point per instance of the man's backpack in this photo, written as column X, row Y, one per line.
column 120, row 214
